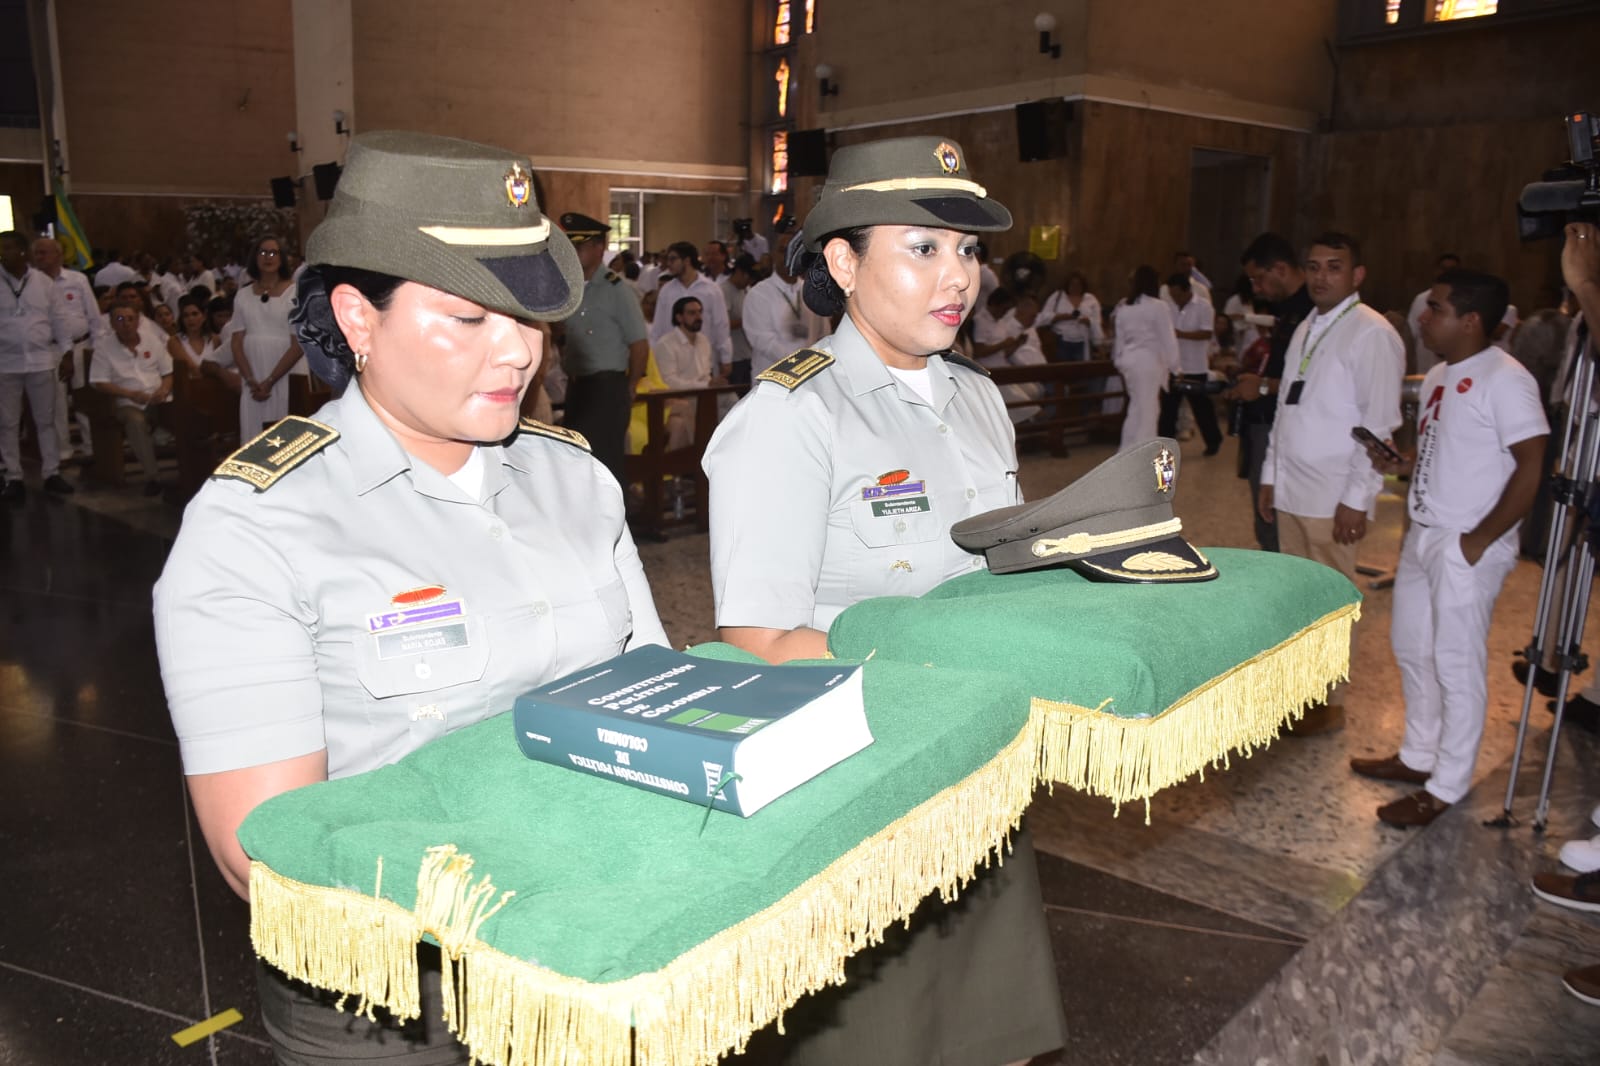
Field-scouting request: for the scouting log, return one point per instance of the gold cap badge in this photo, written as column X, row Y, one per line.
column 519, row 186
column 949, row 158
column 1166, row 470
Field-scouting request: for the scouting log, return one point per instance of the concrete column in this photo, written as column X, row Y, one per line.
column 324, row 82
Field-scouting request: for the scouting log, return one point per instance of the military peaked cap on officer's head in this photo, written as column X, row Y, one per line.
column 452, row 215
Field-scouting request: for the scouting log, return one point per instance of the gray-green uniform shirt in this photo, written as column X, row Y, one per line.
column 847, row 486
column 289, row 620
column 606, row 322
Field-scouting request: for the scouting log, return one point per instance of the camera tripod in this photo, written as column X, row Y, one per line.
column 1569, row 567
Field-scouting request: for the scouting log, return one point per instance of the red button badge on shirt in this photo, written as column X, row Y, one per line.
column 1463, row 385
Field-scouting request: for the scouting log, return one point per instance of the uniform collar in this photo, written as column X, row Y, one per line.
column 867, row 373
column 376, row 457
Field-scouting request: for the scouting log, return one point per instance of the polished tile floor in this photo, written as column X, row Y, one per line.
column 1176, row 942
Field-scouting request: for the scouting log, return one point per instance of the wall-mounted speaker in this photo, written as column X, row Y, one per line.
column 283, row 192
column 808, row 154
column 1042, row 129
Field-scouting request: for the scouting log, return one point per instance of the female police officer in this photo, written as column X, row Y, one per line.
column 837, row 479
column 348, row 589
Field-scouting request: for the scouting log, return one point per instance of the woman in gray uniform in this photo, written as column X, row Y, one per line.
column 837, row 479
column 348, row 588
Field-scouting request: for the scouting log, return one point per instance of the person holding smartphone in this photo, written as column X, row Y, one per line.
column 1481, row 437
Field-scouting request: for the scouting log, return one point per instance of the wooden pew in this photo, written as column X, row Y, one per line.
column 654, row 464
column 1068, row 406
column 205, row 427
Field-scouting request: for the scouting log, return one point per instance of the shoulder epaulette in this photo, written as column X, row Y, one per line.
column 561, row 433
column 797, row 369
column 971, row 364
column 276, row 451
column 612, row 277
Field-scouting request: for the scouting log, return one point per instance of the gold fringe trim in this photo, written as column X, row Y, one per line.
column 706, row 1002
column 1129, row 759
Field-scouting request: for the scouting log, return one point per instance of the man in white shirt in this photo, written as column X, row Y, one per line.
column 1481, row 436
column 1017, row 329
column 1425, row 356
column 1195, row 323
column 746, row 241
column 33, row 334
column 139, row 375
column 81, row 315
column 714, row 258
column 777, row 321
column 1199, row 287
column 734, row 286
column 683, row 357
column 114, row 273
column 683, row 264
column 1342, row 370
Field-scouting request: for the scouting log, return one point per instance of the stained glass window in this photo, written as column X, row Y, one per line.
column 780, row 24
column 782, row 78
column 811, row 15
column 1447, row 10
column 1391, row 11
column 780, row 162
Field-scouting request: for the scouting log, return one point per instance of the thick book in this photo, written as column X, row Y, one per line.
column 734, row 735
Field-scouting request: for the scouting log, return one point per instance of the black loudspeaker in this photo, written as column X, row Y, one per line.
column 283, row 192
column 326, row 177
column 808, row 154
column 1042, row 127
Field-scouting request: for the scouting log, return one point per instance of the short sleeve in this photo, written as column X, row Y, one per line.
column 1518, row 412
column 234, row 638
column 631, row 316
column 770, row 476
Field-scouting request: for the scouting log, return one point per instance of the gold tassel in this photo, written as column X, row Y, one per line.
column 709, row 1000
column 1128, row 759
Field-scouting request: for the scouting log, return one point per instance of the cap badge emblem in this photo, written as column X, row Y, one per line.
column 519, row 185
column 949, row 158
column 1166, row 470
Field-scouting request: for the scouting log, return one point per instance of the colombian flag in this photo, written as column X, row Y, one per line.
column 75, row 248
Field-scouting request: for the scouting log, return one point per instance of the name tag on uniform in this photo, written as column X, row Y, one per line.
column 417, row 630
column 905, row 488
column 909, row 505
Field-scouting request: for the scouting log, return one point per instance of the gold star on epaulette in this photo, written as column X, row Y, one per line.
column 797, row 369
column 276, row 451
column 560, row 433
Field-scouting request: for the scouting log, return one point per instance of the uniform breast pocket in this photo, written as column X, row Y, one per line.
column 899, row 547
column 427, row 674
column 619, row 616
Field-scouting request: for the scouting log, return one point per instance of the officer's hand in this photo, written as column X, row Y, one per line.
column 1580, row 256
column 1472, row 547
column 1349, row 524
column 1264, row 506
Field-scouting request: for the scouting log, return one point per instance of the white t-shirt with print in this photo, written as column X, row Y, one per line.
column 1471, row 415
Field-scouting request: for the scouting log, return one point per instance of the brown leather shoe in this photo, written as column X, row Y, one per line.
column 1581, row 893
column 1584, row 983
column 1319, row 718
column 1413, row 811
column 1389, row 769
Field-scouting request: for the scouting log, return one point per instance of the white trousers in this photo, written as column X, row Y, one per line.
column 1142, row 378
column 1440, row 632
column 40, row 387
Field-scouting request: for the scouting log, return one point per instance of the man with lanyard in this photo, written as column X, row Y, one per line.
column 776, row 319
column 81, row 312
column 604, row 350
column 1274, row 272
column 1344, row 370
column 33, row 334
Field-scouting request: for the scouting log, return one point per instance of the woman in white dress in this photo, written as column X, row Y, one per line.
column 1073, row 314
column 264, row 347
column 1145, row 353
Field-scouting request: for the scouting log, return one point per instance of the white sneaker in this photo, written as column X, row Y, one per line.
column 1582, row 855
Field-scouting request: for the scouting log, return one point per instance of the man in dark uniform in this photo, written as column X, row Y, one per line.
column 1275, row 274
column 605, row 349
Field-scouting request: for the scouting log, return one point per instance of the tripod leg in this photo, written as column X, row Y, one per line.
column 1573, row 623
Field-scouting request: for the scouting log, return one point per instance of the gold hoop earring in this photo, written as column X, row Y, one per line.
column 361, row 362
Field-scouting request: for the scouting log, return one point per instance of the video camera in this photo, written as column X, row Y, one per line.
column 1569, row 193
column 742, row 228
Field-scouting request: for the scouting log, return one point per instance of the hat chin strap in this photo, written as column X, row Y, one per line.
column 489, row 236
column 1090, row 543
